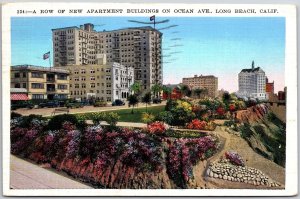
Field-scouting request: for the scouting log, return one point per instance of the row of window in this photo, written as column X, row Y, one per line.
column 108, row 92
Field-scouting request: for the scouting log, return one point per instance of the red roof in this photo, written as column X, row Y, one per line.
column 18, row 96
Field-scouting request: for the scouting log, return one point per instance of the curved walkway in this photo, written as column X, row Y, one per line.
column 26, row 175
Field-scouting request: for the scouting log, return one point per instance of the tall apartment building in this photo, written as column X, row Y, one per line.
column 252, row 83
column 138, row 47
column 105, row 82
column 41, row 82
column 208, row 82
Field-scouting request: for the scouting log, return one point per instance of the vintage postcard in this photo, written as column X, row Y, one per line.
column 149, row 99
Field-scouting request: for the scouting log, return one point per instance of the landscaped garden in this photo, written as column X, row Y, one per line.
column 163, row 154
column 96, row 154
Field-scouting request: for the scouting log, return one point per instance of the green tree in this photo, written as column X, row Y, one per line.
column 156, row 88
column 185, row 90
column 132, row 101
column 226, row 97
column 198, row 92
column 146, row 99
column 136, row 88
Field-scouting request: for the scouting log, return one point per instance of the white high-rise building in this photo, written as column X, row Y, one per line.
column 252, row 83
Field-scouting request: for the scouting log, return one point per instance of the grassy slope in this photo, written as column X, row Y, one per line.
column 126, row 116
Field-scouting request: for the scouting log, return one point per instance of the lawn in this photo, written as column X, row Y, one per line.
column 126, row 116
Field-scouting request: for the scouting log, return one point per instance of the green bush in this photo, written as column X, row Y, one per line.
column 14, row 115
column 246, row 131
column 100, row 103
column 166, row 117
column 26, row 120
column 111, row 118
column 57, row 121
column 96, row 117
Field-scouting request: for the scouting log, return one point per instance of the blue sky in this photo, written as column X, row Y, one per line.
column 219, row 46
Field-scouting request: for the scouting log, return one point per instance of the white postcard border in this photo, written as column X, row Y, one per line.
column 287, row 11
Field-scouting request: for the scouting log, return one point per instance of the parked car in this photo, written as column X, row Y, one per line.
column 118, row 102
column 156, row 101
column 18, row 105
column 50, row 104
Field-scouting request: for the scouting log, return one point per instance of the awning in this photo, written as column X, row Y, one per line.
column 18, row 96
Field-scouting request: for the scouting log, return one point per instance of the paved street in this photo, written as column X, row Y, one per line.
column 25, row 175
column 86, row 109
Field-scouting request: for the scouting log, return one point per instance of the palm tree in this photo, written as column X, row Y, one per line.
column 156, row 88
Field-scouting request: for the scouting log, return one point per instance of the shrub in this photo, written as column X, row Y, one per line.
column 100, row 103
column 111, row 118
column 27, row 120
column 197, row 124
column 246, row 131
column 234, row 158
column 157, row 128
column 148, row 118
column 229, row 123
column 184, row 153
column 166, row 117
column 231, row 107
column 56, row 122
column 14, row 115
column 96, row 117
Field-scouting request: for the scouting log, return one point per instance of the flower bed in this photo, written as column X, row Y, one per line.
column 184, row 153
column 98, row 155
column 201, row 125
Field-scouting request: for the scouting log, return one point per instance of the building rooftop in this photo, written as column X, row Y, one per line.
column 250, row 70
column 131, row 28
column 39, row 68
column 200, row 76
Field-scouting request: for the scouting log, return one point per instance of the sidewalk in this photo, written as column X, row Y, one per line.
column 25, row 175
column 87, row 109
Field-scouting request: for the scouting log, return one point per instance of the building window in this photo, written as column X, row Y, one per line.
column 37, row 96
column 37, row 75
column 62, row 86
column 76, row 85
column 62, row 77
column 17, row 85
column 37, row 86
column 17, row 75
column 82, row 71
column 92, row 85
column 24, row 85
column 92, row 78
column 24, row 74
column 108, row 92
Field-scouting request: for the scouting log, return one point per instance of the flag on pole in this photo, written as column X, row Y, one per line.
column 152, row 18
column 46, row 55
